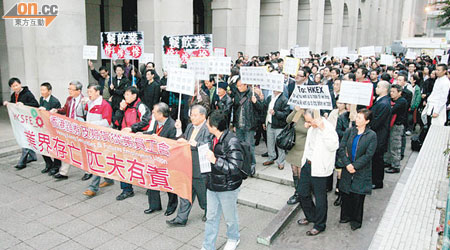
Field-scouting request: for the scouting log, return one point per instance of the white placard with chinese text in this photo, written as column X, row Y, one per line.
column 253, row 75
column 387, row 60
column 200, row 66
column 170, row 61
column 146, row 57
column 90, row 52
column 291, row 65
column 205, row 165
column 359, row 93
column 301, row 52
column 367, row 51
column 274, row 82
column 220, row 65
column 181, row 81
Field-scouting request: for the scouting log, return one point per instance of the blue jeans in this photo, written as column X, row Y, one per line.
column 218, row 203
column 96, row 183
column 26, row 154
column 248, row 136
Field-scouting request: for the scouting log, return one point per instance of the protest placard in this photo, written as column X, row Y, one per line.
column 122, row 45
column 200, row 66
column 356, row 93
column 181, row 81
column 410, row 55
column 90, row 52
column 378, row 49
column 274, row 82
column 291, row 65
column 284, row 53
column 301, row 52
column 220, row 52
column 170, row 61
column 352, row 57
column 367, row 51
column 438, row 52
column 151, row 162
column 205, row 165
column 187, row 46
column 387, row 60
column 220, row 65
column 444, row 59
column 311, row 96
column 146, row 57
column 253, row 75
column 340, row 52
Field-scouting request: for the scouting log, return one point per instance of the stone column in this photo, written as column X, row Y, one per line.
column 53, row 54
column 271, row 26
column 4, row 66
column 113, row 15
column 93, row 29
column 407, row 27
column 316, row 28
column 158, row 18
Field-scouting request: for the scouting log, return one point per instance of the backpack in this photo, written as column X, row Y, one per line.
column 246, row 169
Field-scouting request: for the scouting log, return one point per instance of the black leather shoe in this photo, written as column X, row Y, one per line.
column 149, row 211
column 377, row 186
column 86, row 177
column 169, row 212
column 20, row 167
column 53, row 171
column 60, row 176
column 204, row 218
column 266, row 154
column 392, row 170
column 175, row 223
column 344, row 220
column 124, row 195
column 293, row 199
column 354, row 227
column 338, row 201
column 45, row 170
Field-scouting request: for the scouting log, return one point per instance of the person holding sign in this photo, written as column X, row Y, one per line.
column 102, row 77
column 246, row 107
column 318, row 163
column 22, row 96
column 132, row 117
column 49, row 102
column 223, row 101
column 196, row 134
column 223, row 182
column 165, row 127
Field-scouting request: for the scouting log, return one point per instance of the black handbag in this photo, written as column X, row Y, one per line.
column 286, row 139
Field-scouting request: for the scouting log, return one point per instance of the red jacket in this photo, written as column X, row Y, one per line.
column 66, row 109
column 135, row 116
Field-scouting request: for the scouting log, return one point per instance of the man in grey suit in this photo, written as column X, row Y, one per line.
column 196, row 134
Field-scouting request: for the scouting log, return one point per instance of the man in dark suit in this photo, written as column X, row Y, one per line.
column 196, row 134
column 381, row 111
column 164, row 127
column 48, row 102
column 403, row 82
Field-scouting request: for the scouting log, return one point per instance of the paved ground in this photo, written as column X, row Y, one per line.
column 37, row 212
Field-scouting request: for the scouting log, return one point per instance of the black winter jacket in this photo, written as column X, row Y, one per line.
column 243, row 101
column 225, row 173
column 25, row 97
column 281, row 109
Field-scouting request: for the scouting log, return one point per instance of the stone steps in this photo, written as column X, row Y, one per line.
column 9, row 147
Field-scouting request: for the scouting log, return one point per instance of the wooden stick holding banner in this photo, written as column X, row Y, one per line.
column 179, row 106
column 217, row 84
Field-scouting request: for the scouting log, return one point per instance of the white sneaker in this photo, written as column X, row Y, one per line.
column 408, row 133
column 231, row 244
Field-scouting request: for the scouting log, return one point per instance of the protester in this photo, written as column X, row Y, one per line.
column 223, row 183
column 117, row 88
column 70, row 109
column 196, row 134
column 356, row 150
column 97, row 111
column 131, row 117
column 165, row 127
column 295, row 155
column 22, row 96
column 277, row 111
column 49, row 102
column 103, row 79
column 149, row 90
column 223, row 101
column 436, row 101
column 318, row 163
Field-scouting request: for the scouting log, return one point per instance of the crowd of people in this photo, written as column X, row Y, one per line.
column 359, row 143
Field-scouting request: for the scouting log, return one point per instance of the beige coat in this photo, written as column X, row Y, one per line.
column 295, row 155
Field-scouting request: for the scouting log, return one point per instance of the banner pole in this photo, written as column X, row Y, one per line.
column 217, row 84
column 179, row 106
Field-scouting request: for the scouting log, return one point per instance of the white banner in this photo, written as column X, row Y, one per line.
column 274, row 82
column 253, row 75
column 387, row 60
column 410, row 55
column 284, row 53
column 181, row 81
column 311, row 96
column 352, row 57
column 378, row 49
column 340, row 52
column 301, row 52
column 356, row 93
column 220, row 52
column 146, row 57
column 90, row 52
column 200, row 66
column 291, row 65
column 444, row 59
column 220, row 65
column 367, row 51
column 171, row 61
